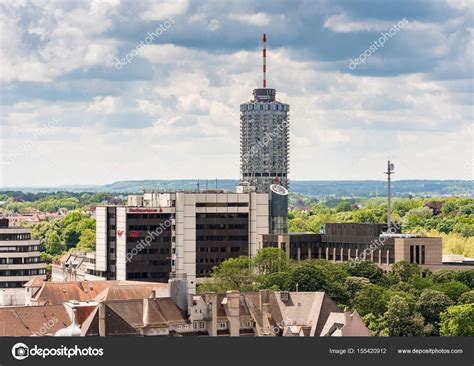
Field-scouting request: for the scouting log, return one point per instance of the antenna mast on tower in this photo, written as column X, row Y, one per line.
column 389, row 172
column 264, row 54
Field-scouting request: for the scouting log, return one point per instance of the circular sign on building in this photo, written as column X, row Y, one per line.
column 278, row 189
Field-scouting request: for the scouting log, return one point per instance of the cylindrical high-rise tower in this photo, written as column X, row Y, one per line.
column 265, row 148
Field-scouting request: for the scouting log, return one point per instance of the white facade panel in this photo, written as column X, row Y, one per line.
column 121, row 264
column 101, row 238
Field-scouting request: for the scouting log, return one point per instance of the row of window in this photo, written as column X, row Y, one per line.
column 156, row 239
column 212, row 260
column 11, row 284
column 264, row 107
column 221, row 215
column 222, row 238
column 22, row 272
column 22, row 249
column 224, row 249
column 151, row 263
column 222, row 204
column 151, row 216
column 23, row 236
column 149, row 251
column 222, row 227
column 20, row 260
column 147, row 275
column 265, row 174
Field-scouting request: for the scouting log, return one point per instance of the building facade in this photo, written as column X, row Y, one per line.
column 264, row 140
column 162, row 235
column 19, row 256
column 342, row 242
column 76, row 266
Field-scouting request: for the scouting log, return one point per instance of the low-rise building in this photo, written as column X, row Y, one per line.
column 76, row 266
column 342, row 242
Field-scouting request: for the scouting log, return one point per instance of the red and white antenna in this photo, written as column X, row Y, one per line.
column 264, row 41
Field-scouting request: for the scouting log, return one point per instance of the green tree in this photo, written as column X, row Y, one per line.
column 457, row 320
column 232, row 274
column 366, row 269
column 453, row 289
column 431, row 304
column 343, row 206
column 404, row 270
column 355, row 284
column 370, row 299
column 277, row 281
column 309, row 278
column 87, row 241
column 466, row 298
column 54, row 245
column 270, row 260
column 400, row 320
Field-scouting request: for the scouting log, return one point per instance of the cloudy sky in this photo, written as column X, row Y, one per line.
column 71, row 113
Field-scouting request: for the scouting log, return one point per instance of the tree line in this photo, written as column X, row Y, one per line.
column 407, row 301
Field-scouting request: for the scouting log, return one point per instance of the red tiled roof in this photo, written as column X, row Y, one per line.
column 53, row 293
column 33, row 320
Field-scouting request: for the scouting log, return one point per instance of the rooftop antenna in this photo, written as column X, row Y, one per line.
column 264, row 54
column 389, row 172
column 198, row 185
column 216, row 182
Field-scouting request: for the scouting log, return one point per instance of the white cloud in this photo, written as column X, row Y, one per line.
column 341, row 23
column 174, row 112
column 104, row 105
column 163, row 9
column 258, row 19
column 213, row 25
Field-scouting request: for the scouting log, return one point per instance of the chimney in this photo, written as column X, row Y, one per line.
column 146, row 311
column 102, row 331
column 233, row 305
column 212, row 302
column 178, row 289
column 264, row 303
column 190, row 304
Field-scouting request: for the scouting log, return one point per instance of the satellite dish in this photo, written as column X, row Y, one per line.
column 391, row 166
column 278, row 189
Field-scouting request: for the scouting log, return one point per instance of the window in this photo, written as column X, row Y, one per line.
column 223, row 325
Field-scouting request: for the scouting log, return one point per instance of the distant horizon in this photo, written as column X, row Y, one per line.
column 210, row 180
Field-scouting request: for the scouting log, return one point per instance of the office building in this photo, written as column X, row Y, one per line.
column 158, row 235
column 265, row 148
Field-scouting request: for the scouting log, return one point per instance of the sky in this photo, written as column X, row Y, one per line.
column 101, row 91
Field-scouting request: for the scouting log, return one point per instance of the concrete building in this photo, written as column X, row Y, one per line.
column 341, row 242
column 19, row 262
column 162, row 235
column 76, row 266
column 265, row 148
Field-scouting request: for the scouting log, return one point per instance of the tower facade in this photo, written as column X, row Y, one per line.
column 265, row 148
